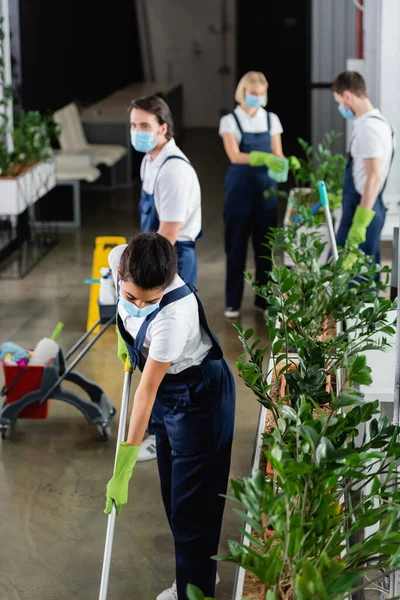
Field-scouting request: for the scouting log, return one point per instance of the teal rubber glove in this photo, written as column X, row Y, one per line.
column 282, row 176
column 358, row 230
column 122, row 351
column 117, row 487
column 294, row 163
column 266, row 159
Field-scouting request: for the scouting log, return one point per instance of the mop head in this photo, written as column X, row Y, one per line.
column 45, row 351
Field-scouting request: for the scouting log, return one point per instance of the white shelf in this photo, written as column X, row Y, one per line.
column 18, row 193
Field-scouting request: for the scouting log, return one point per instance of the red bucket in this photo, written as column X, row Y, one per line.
column 28, row 381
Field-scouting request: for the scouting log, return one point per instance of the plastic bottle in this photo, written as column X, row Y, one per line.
column 107, row 290
column 45, row 351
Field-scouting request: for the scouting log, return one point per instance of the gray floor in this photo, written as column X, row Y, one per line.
column 53, row 472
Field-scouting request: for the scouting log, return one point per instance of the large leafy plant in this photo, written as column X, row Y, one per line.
column 335, row 471
column 302, row 301
column 317, row 164
column 326, row 490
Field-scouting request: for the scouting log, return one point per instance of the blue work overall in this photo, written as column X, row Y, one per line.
column 247, row 211
column 193, row 420
column 351, row 199
column 149, row 221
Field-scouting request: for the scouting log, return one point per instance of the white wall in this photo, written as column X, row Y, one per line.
column 389, row 101
column 382, row 73
column 186, row 47
column 333, row 41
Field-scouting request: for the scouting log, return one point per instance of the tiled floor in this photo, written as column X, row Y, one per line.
column 53, row 472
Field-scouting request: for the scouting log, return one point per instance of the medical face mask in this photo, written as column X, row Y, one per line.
column 254, row 101
column 346, row 113
column 143, row 141
column 134, row 311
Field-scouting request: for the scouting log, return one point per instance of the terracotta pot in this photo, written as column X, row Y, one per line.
column 268, row 531
column 283, row 383
column 269, row 470
column 17, row 171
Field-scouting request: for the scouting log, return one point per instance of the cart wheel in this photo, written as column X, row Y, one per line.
column 4, row 432
column 104, row 432
column 113, row 411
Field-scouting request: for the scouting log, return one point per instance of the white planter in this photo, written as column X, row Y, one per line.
column 18, row 193
column 322, row 230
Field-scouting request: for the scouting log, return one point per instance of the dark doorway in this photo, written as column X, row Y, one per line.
column 274, row 37
column 76, row 50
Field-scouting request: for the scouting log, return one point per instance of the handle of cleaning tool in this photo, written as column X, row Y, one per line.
column 112, row 516
column 57, row 331
column 314, row 208
column 323, row 195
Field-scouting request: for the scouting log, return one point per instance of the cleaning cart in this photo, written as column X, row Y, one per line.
column 28, row 389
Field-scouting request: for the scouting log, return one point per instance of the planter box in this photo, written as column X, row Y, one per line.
column 255, row 462
column 322, row 229
column 20, row 192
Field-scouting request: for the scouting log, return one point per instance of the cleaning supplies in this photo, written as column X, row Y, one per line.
column 46, row 350
column 107, row 290
column 17, row 353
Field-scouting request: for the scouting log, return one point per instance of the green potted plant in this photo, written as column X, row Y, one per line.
column 27, row 170
column 299, row 302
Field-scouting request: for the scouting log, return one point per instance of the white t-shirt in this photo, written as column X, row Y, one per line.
column 371, row 138
column 175, row 334
column 255, row 124
column 176, row 190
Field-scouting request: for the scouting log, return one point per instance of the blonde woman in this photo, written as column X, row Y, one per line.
column 252, row 141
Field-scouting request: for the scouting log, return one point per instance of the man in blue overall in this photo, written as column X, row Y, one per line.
column 170, row 201
column 370, row 156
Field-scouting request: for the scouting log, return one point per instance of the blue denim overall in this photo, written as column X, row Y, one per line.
column 246, row 212
column 193, row 420
column 149, row 221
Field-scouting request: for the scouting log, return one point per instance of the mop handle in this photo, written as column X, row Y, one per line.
column 323, row 195
column 112, row 516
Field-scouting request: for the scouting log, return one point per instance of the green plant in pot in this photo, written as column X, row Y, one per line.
column 325, row 491
column 32, row 132
column 316, row 164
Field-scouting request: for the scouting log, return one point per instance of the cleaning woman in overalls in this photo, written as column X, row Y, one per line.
column 188, row 389
column 170, row 201
column 252, row 141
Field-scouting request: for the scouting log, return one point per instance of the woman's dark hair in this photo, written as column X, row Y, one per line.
column 158, row 107
column 350, row 81
column 149, row 261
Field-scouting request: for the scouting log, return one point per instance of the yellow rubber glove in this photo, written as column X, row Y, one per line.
column 122, row 351
column 358, row 230
column 266, row 159
column 117, row 487
column 294, row 163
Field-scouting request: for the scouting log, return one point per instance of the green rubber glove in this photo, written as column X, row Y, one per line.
column 294, row 163
column 349, row 261
column 266, row 159
column 282, row 176
column 122, row 351
column 117, row 487
column 358, row 230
